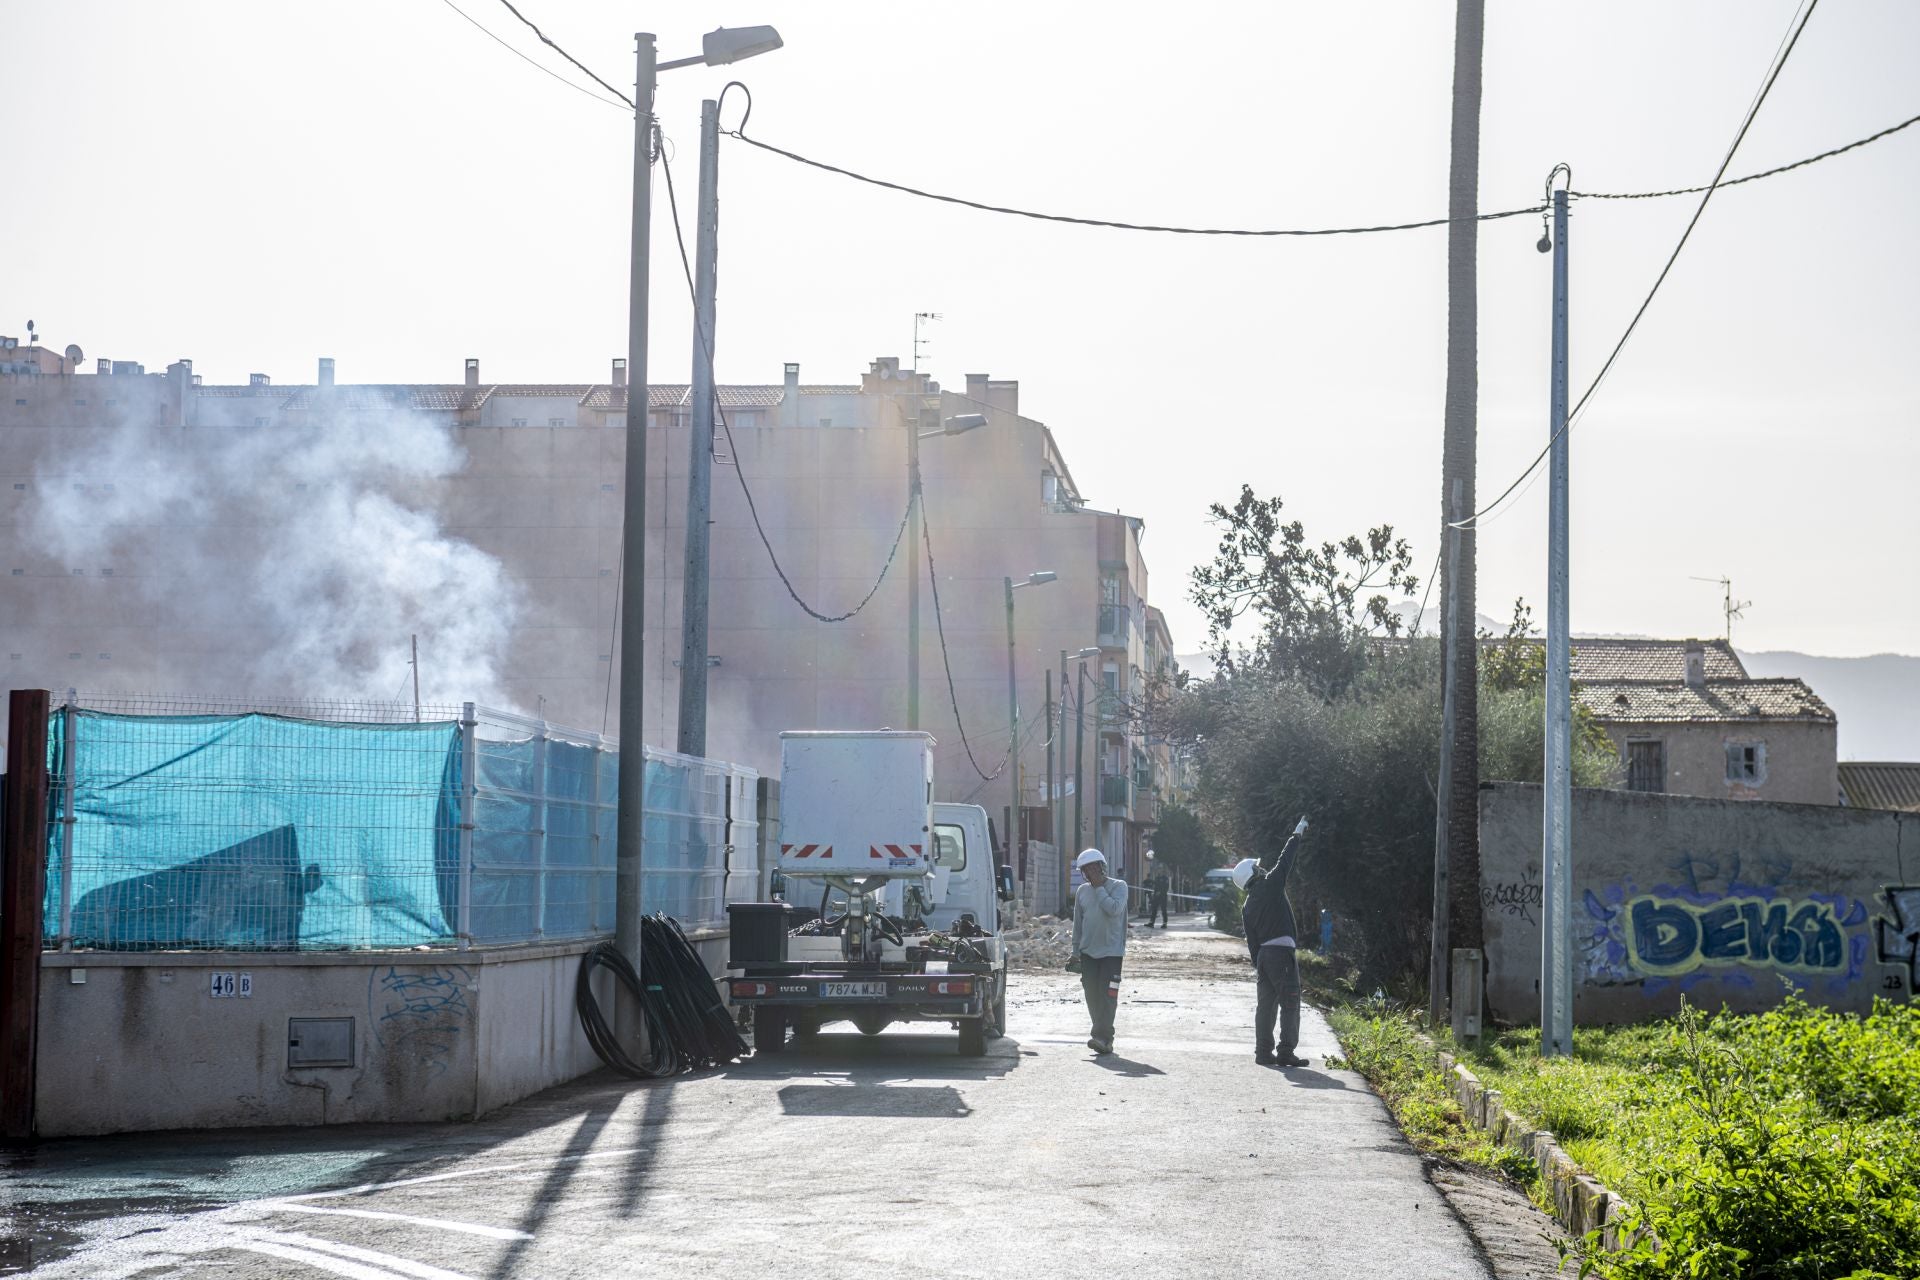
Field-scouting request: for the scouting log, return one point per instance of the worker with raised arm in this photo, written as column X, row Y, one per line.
column 1272, row 944
column 1099, row 942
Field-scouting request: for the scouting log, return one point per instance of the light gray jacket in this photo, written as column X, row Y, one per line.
column 1100, row 919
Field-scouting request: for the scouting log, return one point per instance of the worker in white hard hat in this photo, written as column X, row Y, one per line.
column 1099, row 943
column 1159, row 888
column 1273, row 946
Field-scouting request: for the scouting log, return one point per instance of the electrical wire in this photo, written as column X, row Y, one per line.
column 946, row 661
column 1606, row 368
column 1752, row 177
column 1113, row 224
column 529, row 61
column 687, row 1027
column 899, row 536
column 569, row 57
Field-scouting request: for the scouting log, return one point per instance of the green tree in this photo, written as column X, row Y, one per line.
column 1181, row 846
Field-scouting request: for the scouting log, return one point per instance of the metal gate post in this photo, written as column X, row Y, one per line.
column 23, row 888
column 469, row 799
column 70, row 769
column 539, row 836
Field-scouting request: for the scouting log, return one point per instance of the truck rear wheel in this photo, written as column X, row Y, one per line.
column 973, row 1037
column 769, row 1030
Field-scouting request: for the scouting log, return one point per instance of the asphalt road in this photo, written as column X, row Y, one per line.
column 1177, row 1156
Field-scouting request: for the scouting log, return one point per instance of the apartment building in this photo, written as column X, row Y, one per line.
column 508, row 557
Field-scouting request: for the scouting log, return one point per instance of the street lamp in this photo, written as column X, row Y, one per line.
column 1060, row 810
column 1037, row 579
column 956, row 425
column 718, row 48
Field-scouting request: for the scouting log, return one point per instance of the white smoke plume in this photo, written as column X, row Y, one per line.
column 292, row 560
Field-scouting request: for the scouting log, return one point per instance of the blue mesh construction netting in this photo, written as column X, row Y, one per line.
column 251, row 832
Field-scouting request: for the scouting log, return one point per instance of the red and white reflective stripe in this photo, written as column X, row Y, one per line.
column 806, row 850
column 894, row 850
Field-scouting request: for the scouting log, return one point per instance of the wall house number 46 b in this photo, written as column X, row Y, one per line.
column 227, row 985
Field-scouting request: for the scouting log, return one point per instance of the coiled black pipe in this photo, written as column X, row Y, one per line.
column 687, row 1026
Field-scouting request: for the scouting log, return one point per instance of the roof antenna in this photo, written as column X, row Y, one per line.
column 920, row 318
column 1729, row 606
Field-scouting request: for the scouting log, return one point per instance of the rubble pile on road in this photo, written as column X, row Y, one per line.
column 1037, row 942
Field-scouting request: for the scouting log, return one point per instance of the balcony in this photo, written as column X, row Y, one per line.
column 1116, row 626
column 1116, row 796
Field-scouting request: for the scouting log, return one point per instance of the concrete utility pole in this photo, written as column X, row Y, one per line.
column 1047, row 700
column 631, row 791
column 1038, row 579
column 915, row 423
column 692, row 739
column 1437, row 956
column 1079, row 754
column 1556, row 949
column 1459, row 800
column 1060, row 818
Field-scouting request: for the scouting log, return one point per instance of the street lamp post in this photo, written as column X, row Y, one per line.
column 929, row 413
column 717, row 49
column 1039, row 579
column 1060, row 808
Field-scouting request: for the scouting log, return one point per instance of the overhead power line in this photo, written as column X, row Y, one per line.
column 946, row 661
column 549, row 71
column 1708, row 190
column 563, row 53
column 1752, row 177
column 899, row 536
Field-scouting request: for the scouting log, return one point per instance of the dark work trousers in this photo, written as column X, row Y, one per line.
column 1157, row 904
column 1279, row 972
column 1100, row 983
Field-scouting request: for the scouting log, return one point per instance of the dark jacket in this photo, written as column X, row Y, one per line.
column 1267, row 913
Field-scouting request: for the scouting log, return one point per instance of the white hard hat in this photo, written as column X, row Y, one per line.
column 1089, row 855
column 1149, row 855
column 1243, row 872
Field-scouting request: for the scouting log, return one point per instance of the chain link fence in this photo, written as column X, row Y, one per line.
column 221, row 824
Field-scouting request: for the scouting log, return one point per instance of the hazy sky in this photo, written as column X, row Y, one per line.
column 256, row 185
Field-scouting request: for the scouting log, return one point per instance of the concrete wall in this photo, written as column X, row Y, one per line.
column 1713, row 900
column 1801, row 759
column 137, row 1042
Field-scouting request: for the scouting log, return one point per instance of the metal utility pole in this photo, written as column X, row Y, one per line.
column 1052, row 801
column 1013, row 732
column 415, row 641
column 1459, row 800
column 628, row 911
column 1079, row 757
column 1556, row 949
column 915, row 515
column 692, row 739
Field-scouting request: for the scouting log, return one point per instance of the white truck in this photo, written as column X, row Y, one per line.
column 903, row 893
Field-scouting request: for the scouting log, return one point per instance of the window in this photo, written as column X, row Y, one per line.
column 950, row 847
column 1646, row 766
column 1747, row 763
column 260, row 422
column 556, row 422
column 19, row 486
column 519, row 422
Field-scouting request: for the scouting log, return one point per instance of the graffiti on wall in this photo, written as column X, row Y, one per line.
column 1519, row 898
column 418, row 1014
column 1718, row 920
column 1899, row 935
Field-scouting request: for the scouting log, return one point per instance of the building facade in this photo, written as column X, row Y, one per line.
column 165, row 535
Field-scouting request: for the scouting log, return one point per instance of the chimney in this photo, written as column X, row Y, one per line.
column 103, row 367
column 326, row 371
column 790, row 397
column 619, row 371
column 887, row 368
column 977, row 388
column 473, row 372
column 1696, row 664
column 258, row 380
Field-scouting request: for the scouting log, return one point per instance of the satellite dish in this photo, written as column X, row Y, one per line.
column 74, row 353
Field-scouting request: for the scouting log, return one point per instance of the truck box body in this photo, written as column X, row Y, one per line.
column 856, row 804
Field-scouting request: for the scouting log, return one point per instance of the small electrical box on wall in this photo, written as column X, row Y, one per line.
column 319, row 1042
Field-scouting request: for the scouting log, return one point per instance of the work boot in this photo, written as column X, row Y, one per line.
column 1265, row 1058
column 1290, row 1059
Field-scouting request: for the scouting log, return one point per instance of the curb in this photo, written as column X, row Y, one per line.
column 1580, row 1202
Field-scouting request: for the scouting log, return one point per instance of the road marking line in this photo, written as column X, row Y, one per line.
column 406, row 1266
column 321, row 1261
column 437, row 1224
column 365, row 1187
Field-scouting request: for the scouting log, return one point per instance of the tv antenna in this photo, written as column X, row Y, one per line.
column 1729, row 606
column 920, row 318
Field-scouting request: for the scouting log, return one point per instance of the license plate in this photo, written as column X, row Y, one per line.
column 853, row 990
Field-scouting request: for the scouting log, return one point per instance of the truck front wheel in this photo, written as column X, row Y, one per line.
column 769, row 1030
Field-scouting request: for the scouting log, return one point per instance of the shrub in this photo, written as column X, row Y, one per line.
column 1227, row 903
